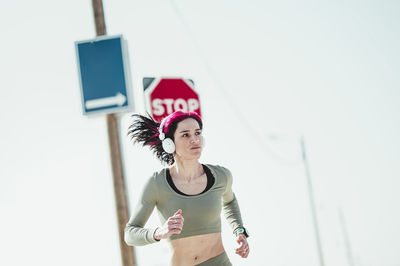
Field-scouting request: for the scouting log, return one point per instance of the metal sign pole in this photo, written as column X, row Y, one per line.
column 115, row 154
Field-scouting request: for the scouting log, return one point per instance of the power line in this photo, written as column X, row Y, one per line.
column 254, row 134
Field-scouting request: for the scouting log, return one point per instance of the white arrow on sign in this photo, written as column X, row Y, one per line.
column 118, row 99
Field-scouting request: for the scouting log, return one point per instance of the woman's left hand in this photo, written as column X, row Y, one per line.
column 243, row 249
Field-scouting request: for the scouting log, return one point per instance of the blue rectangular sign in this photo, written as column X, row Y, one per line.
column 103, row 75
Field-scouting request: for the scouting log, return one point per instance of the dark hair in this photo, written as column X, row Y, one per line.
column 144, row 130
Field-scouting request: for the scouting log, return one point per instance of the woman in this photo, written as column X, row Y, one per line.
column 189, row 196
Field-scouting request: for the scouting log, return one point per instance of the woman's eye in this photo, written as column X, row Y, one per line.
column 198, row 133
column 185, row 135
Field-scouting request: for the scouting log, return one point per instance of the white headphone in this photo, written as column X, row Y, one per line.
column 167, row 143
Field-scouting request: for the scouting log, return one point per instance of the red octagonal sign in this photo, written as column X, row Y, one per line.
column 166, row 95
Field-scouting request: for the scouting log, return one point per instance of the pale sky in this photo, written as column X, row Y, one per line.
column 327, row 70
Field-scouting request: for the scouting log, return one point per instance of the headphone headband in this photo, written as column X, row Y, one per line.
column 161, row 129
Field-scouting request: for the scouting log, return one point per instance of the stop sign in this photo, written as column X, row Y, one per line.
column 166, row 95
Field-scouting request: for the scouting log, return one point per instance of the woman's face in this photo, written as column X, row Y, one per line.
column 188, row 140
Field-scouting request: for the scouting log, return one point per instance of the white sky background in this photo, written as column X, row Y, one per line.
column 324, row 69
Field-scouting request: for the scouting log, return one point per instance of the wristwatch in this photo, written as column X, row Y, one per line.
column 241, row 230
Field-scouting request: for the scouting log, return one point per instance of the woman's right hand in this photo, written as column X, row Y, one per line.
column 173, row 225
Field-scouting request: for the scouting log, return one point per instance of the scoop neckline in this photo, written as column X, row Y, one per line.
column 190, row 196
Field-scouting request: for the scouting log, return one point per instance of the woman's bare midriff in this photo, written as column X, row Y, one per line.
column 195, row 249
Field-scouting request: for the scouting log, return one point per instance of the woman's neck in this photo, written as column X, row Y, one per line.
column 187, row 170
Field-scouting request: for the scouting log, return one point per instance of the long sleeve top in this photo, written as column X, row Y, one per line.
column 202, row 212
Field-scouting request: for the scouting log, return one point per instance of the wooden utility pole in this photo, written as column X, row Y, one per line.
column 345, row 238
column 115, row 154
column 312, row 204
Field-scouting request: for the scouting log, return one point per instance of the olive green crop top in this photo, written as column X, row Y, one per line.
column 202, row 212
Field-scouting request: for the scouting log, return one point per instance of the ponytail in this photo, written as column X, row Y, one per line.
column 144, row 130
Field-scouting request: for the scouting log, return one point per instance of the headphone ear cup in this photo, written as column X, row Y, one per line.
column 168, row 145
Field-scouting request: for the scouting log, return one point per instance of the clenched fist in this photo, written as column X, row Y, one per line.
column 173, row 225
column 243, row 249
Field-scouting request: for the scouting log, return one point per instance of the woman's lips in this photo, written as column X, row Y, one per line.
column 195, row 148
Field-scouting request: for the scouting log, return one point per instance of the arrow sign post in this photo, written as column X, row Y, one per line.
column 103, row 75
column 104, row 78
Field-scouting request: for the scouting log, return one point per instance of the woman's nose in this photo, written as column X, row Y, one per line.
column 195, row 139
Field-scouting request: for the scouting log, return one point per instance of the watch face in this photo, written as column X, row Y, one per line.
column 239, row 231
